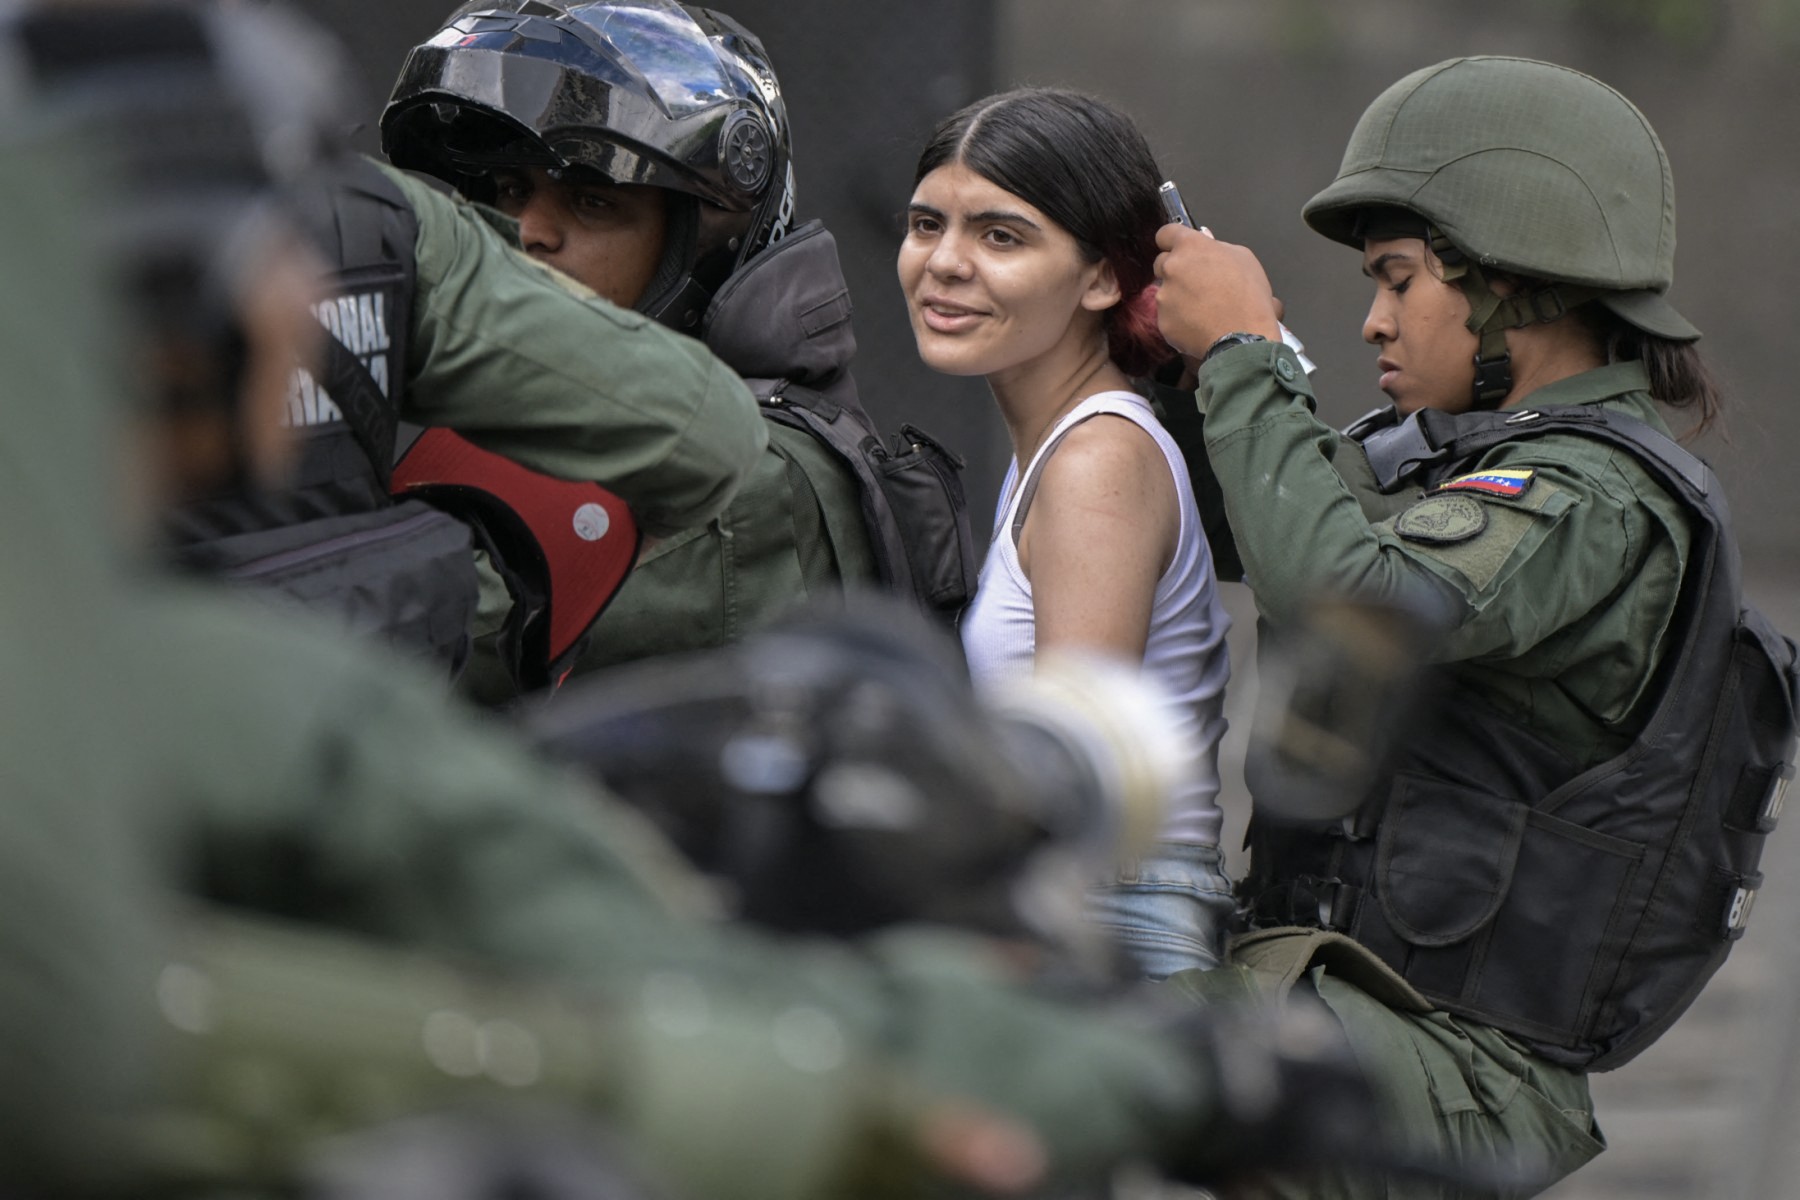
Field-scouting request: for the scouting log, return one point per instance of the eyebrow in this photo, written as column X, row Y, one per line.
column 978, row 218
column 1380, row 264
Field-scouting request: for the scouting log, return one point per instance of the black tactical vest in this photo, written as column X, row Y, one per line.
column 912, row 497
column 1579, row 910
column 333, row 540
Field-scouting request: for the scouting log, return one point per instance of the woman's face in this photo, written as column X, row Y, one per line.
column 991, row 282
column 1417, row 322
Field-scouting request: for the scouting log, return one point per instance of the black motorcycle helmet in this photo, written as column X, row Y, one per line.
column 640, row 91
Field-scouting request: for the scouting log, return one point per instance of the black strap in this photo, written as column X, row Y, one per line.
column 1029, row 485
column 370, row 417
column 849, row 435
column 1430, row 442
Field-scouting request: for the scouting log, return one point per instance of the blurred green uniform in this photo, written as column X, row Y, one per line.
column 80, row 935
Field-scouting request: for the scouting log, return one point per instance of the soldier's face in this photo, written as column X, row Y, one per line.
column 609, row 236
column 1427, row 357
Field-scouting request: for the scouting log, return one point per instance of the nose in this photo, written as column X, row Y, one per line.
column 540, row 229
column 947, row 259
column 1378, row 326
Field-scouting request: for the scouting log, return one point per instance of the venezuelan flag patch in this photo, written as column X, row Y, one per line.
column 1506, row 484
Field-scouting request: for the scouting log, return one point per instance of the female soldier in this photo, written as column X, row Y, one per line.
column 1027, row 257
column 1525, row 896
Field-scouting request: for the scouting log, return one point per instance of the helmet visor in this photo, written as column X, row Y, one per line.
column 637, row 97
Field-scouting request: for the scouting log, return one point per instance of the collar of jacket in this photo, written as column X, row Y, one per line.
column 1611, row 382
column 786, row 314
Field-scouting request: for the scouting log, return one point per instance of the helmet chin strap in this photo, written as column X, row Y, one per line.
column 1492, row 314
column 702, row 248
column 669, row 297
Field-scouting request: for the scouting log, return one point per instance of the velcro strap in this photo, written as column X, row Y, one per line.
column 1757, row 800
column 1730, row 899
column 1539, row 306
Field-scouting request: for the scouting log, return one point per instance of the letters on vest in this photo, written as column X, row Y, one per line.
column 333, row 540
column 1580, row 911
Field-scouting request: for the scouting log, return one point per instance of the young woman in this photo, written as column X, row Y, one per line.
column 1027, row 260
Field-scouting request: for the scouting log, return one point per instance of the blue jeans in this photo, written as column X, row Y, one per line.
column 1168, row 910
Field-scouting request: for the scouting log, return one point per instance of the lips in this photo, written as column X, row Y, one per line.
column 1390, row 371
column 947, row 316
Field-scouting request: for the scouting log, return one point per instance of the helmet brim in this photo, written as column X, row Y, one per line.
column 1651, row 312
column 1334, row 211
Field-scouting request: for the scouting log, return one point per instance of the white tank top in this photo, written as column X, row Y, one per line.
column 1185, row 653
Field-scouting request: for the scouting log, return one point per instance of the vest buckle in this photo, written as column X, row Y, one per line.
column 1311, row 902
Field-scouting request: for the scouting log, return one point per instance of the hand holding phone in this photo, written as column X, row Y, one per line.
column 1175, row 213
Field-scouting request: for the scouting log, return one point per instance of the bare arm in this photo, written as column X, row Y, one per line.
column 1099, row 535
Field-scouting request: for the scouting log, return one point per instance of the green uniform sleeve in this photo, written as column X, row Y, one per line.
column 1579, row 570
column 1300, row 529
column 793, row 533
column 528, row 365
column 344, row 788
column 1498, row 590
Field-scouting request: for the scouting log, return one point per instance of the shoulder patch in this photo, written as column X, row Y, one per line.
column 1442, row 520
column 1507, row 484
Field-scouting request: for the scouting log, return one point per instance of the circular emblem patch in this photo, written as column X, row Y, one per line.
column 591, row 522
column 1439, row 520
column 746, row 153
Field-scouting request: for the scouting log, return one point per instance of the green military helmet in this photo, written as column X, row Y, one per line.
column 1525, row 167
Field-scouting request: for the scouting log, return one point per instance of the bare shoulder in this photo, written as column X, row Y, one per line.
column 1106, row 455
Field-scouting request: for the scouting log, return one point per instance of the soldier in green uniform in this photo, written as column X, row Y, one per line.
column 1517, row 222
column 635, row 184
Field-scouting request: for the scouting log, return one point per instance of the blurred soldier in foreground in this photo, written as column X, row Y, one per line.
column 174, row 745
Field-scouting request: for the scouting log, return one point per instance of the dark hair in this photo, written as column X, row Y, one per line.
column 1086, row 167
column 1679, row 376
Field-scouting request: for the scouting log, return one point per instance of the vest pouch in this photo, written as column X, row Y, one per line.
column 1445, row 860
column 405, row 574
column 1513, row 915
column 923, row 484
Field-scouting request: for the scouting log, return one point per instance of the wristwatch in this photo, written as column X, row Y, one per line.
column 1229, row 340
